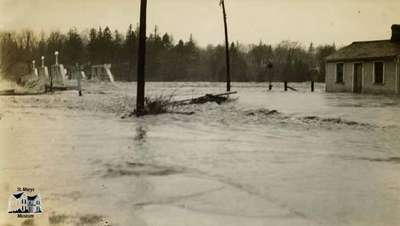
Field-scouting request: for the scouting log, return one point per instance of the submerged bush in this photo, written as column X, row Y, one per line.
column 165, row 104
column 157, row 105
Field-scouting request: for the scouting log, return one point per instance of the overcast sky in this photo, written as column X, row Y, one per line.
column 318, row 21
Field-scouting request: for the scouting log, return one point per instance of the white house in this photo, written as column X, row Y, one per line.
column 366, row 67
column 21, row 203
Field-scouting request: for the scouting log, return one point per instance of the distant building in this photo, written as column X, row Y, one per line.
column 366, row 67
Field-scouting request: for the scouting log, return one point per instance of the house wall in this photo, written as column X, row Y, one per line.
column 391, row 83
column 330, row 79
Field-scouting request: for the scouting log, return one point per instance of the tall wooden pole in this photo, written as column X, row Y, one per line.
column 141, row 60
column 228, row 64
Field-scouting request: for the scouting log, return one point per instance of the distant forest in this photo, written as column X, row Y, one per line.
column 167, row 60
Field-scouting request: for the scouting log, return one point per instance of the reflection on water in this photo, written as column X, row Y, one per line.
column 140, row 134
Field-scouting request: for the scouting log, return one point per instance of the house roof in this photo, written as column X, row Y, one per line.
column 32, row 197
column 17, row 196
column 367, row 50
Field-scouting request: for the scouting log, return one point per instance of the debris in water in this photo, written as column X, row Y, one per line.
column 209, row 98
column 217, row 98
column 140, row 169
column 391, row 160
column 332, row 121
column 262, row 112
column 164, row 104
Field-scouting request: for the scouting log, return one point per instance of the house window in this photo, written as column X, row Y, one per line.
column 339, row 73
column 378, row 72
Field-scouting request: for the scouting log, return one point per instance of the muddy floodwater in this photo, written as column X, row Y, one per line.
column 266, row 158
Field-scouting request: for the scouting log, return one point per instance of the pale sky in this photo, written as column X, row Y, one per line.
column 250, row 21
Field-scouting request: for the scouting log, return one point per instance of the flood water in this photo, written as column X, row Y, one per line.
column 266, row 158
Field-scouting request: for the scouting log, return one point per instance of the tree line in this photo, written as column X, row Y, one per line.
column 167, row 60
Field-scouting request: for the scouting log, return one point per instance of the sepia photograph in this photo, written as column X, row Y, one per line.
column 199, row 113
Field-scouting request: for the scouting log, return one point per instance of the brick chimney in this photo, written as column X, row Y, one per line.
column 395, row 33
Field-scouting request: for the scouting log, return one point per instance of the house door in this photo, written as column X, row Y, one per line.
column 357, row 78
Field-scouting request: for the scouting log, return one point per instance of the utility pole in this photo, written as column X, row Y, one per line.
column 228, row 69
column 141, row 60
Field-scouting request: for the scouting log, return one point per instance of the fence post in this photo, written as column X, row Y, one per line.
column 312, row 86
column 269, row 70
column 78, row 76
